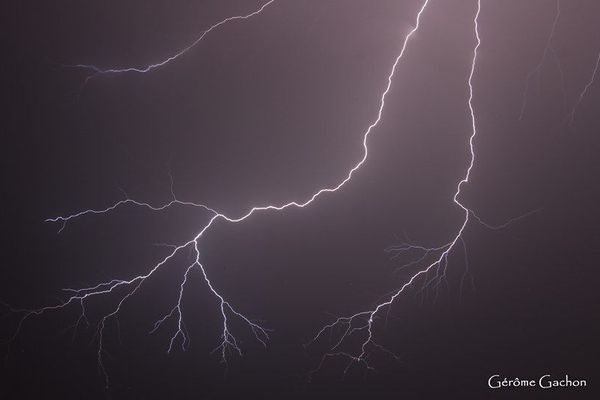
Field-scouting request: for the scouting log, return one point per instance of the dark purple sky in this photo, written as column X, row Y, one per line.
column 268, row 110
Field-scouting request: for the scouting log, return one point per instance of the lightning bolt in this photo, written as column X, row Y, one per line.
column 228, row 340
column 150, row 67
column 365, row 320
column 584, row 91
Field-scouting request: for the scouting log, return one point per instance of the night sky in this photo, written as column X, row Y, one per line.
column 269, row 110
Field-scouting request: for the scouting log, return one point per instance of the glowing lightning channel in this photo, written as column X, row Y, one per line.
column 584, row 91
column 369, row 316
column 228, row 341
column 150, row 67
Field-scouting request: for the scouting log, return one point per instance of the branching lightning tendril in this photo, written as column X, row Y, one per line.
column 585, row 90
column 100, row 71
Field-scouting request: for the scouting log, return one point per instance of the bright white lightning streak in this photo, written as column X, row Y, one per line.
column 150, row 67
column 227, row 339
column 363, row 353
